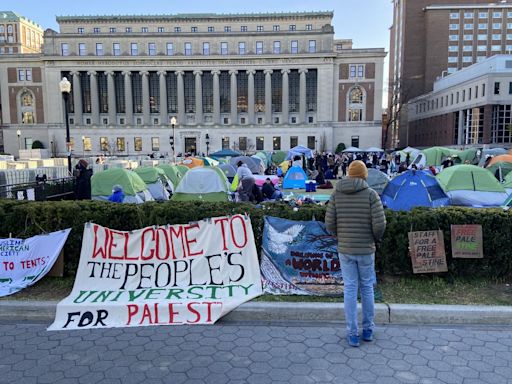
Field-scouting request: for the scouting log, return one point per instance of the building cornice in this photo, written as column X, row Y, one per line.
column 467, row 6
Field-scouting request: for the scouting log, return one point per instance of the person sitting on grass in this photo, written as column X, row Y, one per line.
column 270, row 192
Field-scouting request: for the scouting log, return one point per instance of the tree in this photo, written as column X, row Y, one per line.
column 340, row 148
column 37, row 145
column 397, row 102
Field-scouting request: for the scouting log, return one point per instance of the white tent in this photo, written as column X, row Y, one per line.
column 352, row 149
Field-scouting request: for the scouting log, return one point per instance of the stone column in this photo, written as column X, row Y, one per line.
column 268, row 96
column 95, row 102
column 302, row 96
column 234, row 101
column 460, row 128
column 216, row 97
column 77, row 98
column 199, row 97
column 146, row 113
column 181, row 98
column 111, row 98
column 164, row 116
column 128, row 98
column 285, row 90
column 250, row 95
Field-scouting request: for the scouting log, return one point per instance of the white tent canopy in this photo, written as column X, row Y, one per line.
column 352, row 149
column 373, row 149
column 202, row 180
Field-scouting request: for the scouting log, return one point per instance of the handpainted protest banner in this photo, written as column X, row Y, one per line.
column 162, row 275
column 299, row 257
column 23, row 262
column 467, row 241
column 427, row 251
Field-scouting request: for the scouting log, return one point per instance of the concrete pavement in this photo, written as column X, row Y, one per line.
column 309, row 311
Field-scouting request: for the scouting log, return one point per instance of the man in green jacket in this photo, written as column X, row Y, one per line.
column 356, row 216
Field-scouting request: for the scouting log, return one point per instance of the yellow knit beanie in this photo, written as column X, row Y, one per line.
column 358, row 169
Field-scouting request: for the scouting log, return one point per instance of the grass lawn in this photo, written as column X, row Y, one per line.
column 417, row 290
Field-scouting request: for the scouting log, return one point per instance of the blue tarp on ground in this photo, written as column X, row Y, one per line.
column 295, row 178
column 413, row 189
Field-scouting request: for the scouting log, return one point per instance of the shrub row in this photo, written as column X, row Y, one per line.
column 24, row 219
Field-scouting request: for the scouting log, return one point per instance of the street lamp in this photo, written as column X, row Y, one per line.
column 171, row 139
column 65, row 89
column 18, row 133
column 83, row 146
column 207, row 137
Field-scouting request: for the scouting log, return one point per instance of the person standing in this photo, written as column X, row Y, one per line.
column 245, row 182
column 356, row 216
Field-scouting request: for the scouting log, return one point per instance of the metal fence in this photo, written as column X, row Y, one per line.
column 55, row 189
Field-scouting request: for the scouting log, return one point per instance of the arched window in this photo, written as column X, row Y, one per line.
column 26, row 107
column 26, row 99
column 356, row 104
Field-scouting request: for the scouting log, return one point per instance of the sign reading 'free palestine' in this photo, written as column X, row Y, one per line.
column 163, row 275
column 467, row 241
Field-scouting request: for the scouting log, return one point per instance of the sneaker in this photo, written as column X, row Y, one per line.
column 367, row 335
column 353, row 340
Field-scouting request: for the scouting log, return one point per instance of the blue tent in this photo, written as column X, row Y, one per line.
column 225, row 153
column 295, row 178
column 299, row 150
column 413, row 189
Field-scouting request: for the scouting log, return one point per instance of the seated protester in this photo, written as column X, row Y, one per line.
column 117, row 195
column 320, row 179
column 270, row 192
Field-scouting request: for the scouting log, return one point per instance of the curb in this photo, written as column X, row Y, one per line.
column 404, row 314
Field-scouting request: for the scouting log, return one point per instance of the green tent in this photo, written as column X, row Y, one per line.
column 468, row 178
column 470, row 155
column 505, row 166
column 172, row 172
column 507, row 183
column 182, row 169
column 203, row 184
column 102, row 182
column 265, row 157
column 149, row 175
column 436, row 155
column 279, row 156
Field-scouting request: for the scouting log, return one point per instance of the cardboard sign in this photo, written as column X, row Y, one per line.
column 427, row 251
column 467, row 241
column 162, row 275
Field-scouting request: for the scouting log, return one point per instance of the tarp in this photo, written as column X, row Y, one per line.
column 102, row 182
column 202, row 184
column 352, row 149
column 299, row 258
column 295, row 178
column 373, row 149
column 192, row 162
column 413, row 189
column 162, row 275
column 253, row 164
column 377, row 180
column 279, row 156
column 225, row 153
column 299, row 150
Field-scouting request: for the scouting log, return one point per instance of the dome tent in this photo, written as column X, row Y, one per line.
column 156, row 181
column 172, row 172
column 202, row 184
column 295, row 178
column 377, row 180
column 469, row 185
column 507, row 183
column 413, row 189
column 134, row 188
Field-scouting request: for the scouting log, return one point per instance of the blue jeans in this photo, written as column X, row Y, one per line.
column 358, row 272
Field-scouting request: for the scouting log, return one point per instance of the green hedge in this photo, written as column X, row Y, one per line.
column 25, row 219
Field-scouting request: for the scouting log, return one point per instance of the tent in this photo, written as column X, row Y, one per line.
column 279, row 156
column 172, row 173
column 192, row 162
column 225, row 153
column 228, row 170
column 373, row 149
column 469, row 155
column 299, row 150
column 209, row 162
column 469, row 185
column 284, row 166
column 507, row 204
column 507, row 183
column 500, row 169
column 413, row 189
column 377, row 180
column 432, row 156
column 265, row 157
column 261, row 164
column 202, row 184
column 351, row 149
column 156, row 181
column 295, row 178
column 486, row 152
column 413, row 153
column 134, row 188
column 253, row 164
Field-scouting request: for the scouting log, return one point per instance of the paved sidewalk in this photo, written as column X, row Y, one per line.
column 309, row 311
column 254, row 353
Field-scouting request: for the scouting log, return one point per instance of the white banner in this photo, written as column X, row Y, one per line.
column 162, row 275
column 25, row 261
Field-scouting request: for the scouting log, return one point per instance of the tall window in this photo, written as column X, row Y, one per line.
column 207, row 86
column 188, row 49
column 276, row 143
column 190, row 92
column 260, row 143
column 206, row 49
column 155, row 144
column 170, row 49
column 259, row 47
column 242, row 143
column 312, row 46
column 277, row 94
column 294, row 91
column 104, row 145
column 64, row 49
column 82, row 50
column 85, row 87
column 241, row 48
column 99, row 49
column 119, row 89
column 152, row 49
column 172, row 92
column 103, row 92
column 242, row 91
column 501, row 121
column 225, row 92
column 137, row 92
column 223, row 48
column 356, row 70
column 311, row 90
column 277, row 47
column 27, row 107
column 294, row 47
column 259, row 91
column 137, row 144
column 116, row 49
column 120, row 144
column 294, row 141
column 154, row 92
column 134, row 49
column 355, row 104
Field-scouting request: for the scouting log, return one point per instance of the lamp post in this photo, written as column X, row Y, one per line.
column 172, row 138
column 18, row 133
column 207, row 137
column 65, row 89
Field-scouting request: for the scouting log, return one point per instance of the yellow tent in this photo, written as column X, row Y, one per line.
column 284, row 166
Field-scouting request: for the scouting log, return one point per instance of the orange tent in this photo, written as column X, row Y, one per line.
column 503, row 158
column 192, row 162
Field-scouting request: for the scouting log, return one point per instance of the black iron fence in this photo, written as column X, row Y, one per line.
column 45, row 190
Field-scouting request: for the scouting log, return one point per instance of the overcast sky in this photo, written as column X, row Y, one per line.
column 366, row 22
